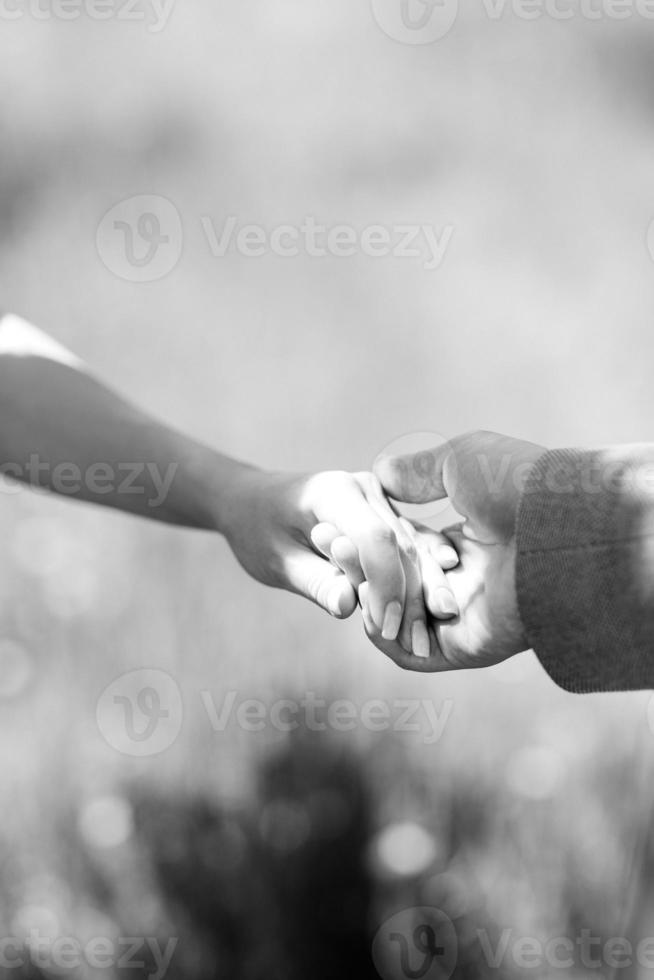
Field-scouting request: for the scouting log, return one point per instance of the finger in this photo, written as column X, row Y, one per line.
column 423, row 575
column 435, row 553
column 328, row 540
column 415, row 477
column 445, row 556
column 368, row 622
column 440, row 546
column 322, row 583
column 393, row 650
column 379, row 556
column 374, row 493
column 346, row 557
column 438, row 596
column 323, row 536
column 413, row 635
column 380, row 503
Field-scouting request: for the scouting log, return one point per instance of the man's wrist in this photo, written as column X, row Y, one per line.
column 522, row 638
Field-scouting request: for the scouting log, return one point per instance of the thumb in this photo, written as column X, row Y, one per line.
column 414, row 478
column 321, row 582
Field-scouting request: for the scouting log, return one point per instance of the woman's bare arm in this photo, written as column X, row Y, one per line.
column 63, row 429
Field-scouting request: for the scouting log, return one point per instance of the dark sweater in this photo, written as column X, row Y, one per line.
column 585, row 567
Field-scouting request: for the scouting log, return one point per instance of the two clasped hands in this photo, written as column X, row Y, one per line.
column 553, row 550
column 431, row 601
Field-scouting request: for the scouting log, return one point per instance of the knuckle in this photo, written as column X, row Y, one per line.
column 343, row 550
column 409, row 550
column 280, row 568
column 370, row 485
column 335, row 480
column 381, row 535
column 414, row 612
column 364, row 478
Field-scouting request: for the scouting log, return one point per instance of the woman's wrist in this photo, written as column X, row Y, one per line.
column 230, row 490
column 208, row 488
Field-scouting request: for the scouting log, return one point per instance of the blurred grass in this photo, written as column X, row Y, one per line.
column 535, row 141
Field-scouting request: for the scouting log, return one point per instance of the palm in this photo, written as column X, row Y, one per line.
column 488, row 628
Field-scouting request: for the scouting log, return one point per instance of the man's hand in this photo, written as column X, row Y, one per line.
column 483, row 474
column 283, row 531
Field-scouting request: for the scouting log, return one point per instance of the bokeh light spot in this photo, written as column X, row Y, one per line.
column 106, row 821
column 404, row 849
column 535, row 772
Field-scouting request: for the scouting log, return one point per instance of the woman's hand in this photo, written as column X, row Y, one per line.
column 425, row 555
column 276, row 527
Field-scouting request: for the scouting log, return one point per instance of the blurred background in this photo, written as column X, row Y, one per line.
column 273, row 853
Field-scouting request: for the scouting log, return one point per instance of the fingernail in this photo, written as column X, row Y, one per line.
column 420, row 639
column 448, row 557
column 392, row 620
column 447, row 603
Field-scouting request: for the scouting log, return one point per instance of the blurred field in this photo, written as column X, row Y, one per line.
column 534, row 140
